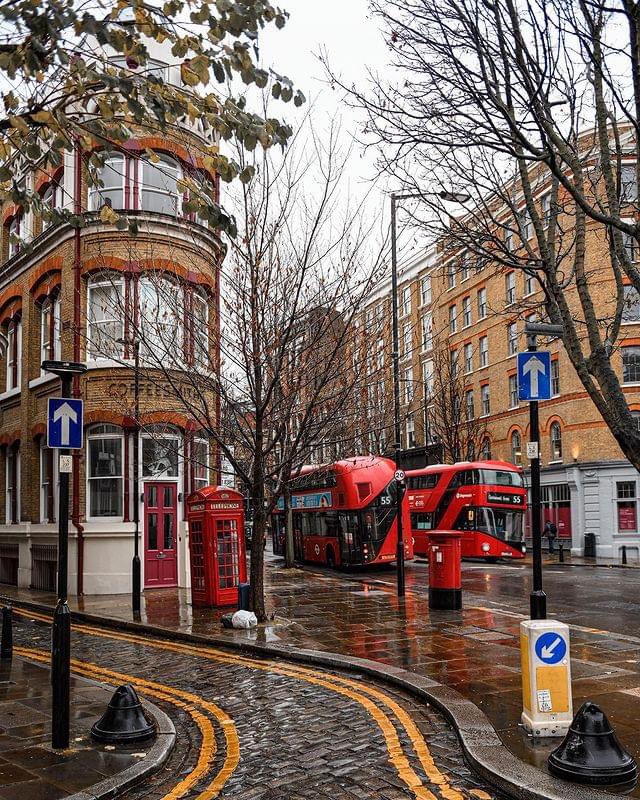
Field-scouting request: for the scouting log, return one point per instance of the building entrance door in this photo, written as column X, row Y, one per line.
column 160, row 525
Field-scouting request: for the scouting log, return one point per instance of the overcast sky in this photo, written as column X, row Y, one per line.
column 349, row 35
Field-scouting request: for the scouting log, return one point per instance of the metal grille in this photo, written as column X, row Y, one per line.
column 9, row 564
column 44, row 558
column 557, row 493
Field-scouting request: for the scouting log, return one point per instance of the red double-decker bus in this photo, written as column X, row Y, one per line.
column 485, row 499
column 344, row 514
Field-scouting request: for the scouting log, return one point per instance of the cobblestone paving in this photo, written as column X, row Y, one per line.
column 303, row 733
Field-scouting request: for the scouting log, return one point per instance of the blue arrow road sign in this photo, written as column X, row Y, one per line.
column 551, row 648
column 64, row 423
column 534, row 375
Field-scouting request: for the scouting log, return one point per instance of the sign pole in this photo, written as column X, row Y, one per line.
column 61, row 633
column 537, row 599
column 64, row 432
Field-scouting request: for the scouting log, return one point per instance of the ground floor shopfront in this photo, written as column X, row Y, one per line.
column 172, row 463
column 598, row 498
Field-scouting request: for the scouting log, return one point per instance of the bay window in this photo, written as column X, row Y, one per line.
column 111, row 188
column 200, row 331
column 14, row 229
column 105, row 471
column 105, row 317
column 161, row 319
column 159, row 187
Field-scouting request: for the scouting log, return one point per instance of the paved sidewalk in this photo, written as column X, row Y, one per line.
column 474, row 651
column 29, row 767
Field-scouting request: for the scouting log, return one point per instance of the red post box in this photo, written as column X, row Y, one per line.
column 216, row 545
column 445, row 575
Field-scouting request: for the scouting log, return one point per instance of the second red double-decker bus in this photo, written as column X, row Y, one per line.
column 485, row 499
column 344, row 514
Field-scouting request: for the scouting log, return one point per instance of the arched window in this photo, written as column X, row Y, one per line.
column 52, row 199
column 555, row 435
column 14, row 231
column 485, row 449
column 105, row 316
column 516, row 448
column 104, row 471
column 14, row 354
column 50, row 328
column 161, row 448
column 159, row 188
column 110, row 191
column 161, row 315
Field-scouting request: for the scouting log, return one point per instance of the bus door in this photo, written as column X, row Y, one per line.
column 350, row 541
column 298, row 541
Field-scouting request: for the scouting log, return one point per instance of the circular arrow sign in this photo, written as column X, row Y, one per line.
column 399, row 475
column 551, row 648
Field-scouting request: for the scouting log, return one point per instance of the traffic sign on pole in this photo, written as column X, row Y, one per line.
column 534, row 375
column 64, row 423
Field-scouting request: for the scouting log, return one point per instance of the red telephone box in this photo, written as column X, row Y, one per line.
column 216, row 544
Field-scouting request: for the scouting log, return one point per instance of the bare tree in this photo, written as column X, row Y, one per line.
column 292, row 284
column 454, row 417
column 531, row 107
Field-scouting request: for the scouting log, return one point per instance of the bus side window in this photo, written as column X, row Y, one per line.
column 332, row 525
column 422, row 521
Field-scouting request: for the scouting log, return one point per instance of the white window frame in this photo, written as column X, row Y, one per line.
column 14, row 228
column 427, row 331
column 50, row 305
column 114, row 281
column 467, row 319
column 468, row 358
column 555, row 455
column 485, row 400
column 453, row 318
column 513, row 392
column 14, row 349
column 200, row 441
column 516, row 455
column 92, row 434
column 200, row 343
column 484, row 351
column 95, row 197
column 510, row 288
column 53, row 197
column 408, row 385
column 425, row 290
column 169, row 162
column 482, row 302
column 512, row 338
column 55, row 478
column 9, row 490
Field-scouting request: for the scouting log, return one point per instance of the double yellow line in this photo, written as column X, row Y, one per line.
column 380, row 707
column 186, row 701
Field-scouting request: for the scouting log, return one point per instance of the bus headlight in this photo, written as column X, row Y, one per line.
column 524, row 548
column 486, row 548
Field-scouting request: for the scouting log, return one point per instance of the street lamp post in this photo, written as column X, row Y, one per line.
column 61, row 633
column 136, row 580
column 135, row 564
column 400, row 486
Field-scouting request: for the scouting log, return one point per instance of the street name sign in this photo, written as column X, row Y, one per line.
column 64, row 423
column 534, row 375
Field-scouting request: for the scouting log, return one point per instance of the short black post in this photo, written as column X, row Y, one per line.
column 561, row 553
column 6, row 648
column 624, row 553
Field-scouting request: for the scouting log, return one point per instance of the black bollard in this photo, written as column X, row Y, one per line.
column 624, row 553
column 6, row 648
column 244, row 597
column 591, row 752
column 561, row 553
column 124, row 721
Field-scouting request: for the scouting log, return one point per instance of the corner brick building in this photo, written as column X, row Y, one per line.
column 70, row 294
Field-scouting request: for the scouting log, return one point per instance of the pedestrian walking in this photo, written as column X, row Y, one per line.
column 550, row 531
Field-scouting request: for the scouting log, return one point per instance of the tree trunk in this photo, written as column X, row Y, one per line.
column 257, row 563
column 289, row 559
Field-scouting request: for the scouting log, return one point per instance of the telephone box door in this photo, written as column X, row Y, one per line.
column 227, row 558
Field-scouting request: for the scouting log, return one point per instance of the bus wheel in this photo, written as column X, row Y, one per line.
column 331, row 559
column 491, row 560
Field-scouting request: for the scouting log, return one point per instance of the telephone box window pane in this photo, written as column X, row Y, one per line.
column 153, row 531
column 197, row 556
column 168, row 531
column 227, row 550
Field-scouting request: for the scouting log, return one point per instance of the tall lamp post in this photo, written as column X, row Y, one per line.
column 136, row 580
column 395, row 198
column 61, row 632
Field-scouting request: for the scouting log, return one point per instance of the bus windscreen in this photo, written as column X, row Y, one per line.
column 501, row 477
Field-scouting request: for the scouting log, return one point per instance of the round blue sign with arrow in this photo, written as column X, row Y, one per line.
column 551, row 648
